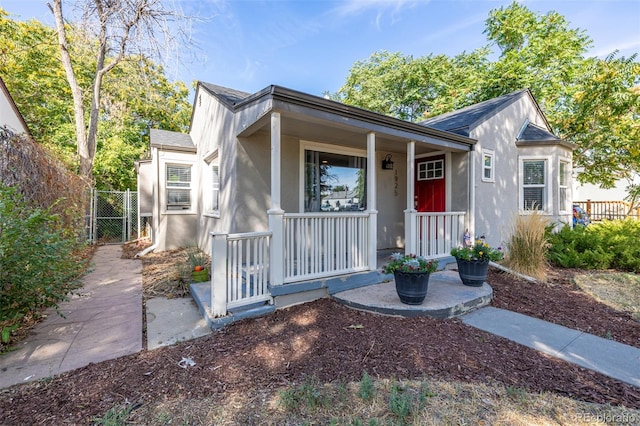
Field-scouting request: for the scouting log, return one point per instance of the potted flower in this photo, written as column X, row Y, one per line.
column 473, row 262
column 411, row 274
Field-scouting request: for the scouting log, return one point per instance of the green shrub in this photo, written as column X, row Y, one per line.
column 606, row 245
column 37, row 262
column 527, row 246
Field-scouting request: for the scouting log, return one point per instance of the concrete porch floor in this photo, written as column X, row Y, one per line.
column 446, row 297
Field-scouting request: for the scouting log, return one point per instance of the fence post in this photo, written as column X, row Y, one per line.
column 218, row 274
column 588, row 207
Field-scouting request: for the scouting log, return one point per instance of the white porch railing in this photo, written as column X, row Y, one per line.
column 239, row 270
column 319, row 245
column 438, row 232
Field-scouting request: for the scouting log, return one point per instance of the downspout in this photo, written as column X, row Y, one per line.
column 472, row 192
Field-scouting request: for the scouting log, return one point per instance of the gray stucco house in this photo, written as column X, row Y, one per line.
column 248, row 183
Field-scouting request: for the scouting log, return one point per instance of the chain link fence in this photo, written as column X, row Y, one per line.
column 112, row 217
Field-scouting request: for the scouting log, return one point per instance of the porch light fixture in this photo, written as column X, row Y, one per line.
column 387, row 164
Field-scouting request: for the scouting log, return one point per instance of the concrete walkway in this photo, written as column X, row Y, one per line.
column 605, row 356
column 102, row 321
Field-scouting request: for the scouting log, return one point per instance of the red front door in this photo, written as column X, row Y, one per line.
column 430, row 184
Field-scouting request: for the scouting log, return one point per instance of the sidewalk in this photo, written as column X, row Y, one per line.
column 103, row 321
column 613, row 359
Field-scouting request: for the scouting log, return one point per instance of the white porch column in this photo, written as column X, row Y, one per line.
column 410, row 230
column 471, row 222
column 276, row 214
column 371, row 200
column 218, row 274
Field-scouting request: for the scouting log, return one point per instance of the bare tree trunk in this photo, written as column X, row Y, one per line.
column 118, row 24
column 86, row 157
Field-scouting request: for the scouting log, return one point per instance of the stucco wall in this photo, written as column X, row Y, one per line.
column 391, row 201
column 175, row 228
column 497, row 203
column 8, row 116
column 145, row 188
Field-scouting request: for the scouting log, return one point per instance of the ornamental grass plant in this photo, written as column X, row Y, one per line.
column 528, row 245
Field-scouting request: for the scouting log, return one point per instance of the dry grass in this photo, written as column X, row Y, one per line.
column 619, row 290
column 428, row 402
column 527, row 246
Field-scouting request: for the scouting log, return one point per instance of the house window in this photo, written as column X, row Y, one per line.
column 178, row 187
column 429, row 170
column 334, row 182
column 534, row 184
column 563, row 186
column 214, row 203
column 487, row 165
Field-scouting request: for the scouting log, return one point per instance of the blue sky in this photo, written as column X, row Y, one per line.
column 310, row 45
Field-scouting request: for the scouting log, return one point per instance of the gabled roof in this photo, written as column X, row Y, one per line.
column 536, row 135
column 302, row 104
column 462, row 121
column 175, row 141
column 531, row 132
column 229, row 96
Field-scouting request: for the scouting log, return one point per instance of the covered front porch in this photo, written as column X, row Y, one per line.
column 308, row 242
column 374, row 292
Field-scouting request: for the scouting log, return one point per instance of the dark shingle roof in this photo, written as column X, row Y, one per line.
column 230, row 96
column 171, row 140
column 460, row 121
column 535, row 133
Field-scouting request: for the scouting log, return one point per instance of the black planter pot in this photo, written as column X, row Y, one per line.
column 411, row 286
column 473, row 272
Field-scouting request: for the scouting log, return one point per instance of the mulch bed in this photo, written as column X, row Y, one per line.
column 330, row 342
column 562, row 302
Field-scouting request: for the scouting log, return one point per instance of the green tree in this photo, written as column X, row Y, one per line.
column 117, row 29
column 589, row 101
column 603, row 119
column 32, row 71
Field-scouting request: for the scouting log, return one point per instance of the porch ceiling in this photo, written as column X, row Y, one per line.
column 315, row 129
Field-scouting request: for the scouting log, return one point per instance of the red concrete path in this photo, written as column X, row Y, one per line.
column 103, row 321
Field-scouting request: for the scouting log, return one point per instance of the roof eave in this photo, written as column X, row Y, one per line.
column 569, row 145
column 284, row 94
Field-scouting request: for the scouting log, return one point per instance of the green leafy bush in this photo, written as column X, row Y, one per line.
column 38, row 266
column 606, row 245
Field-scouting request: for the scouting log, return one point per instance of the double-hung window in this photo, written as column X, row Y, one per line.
column 488, row 157
column 178, row 186
column 214, row 202
column 534, row 190
column 563, row 186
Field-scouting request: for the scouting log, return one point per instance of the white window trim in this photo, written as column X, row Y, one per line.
column 566, row 209
column 489, row 153
column 442, row 168
column 165, row 201
column 212, row 161
column 316, row 146
column 547, row 180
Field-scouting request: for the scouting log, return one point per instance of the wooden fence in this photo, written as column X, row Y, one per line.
column 610, row 210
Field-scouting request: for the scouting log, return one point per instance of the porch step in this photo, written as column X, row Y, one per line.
column 330, row 285
column 201, row 293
